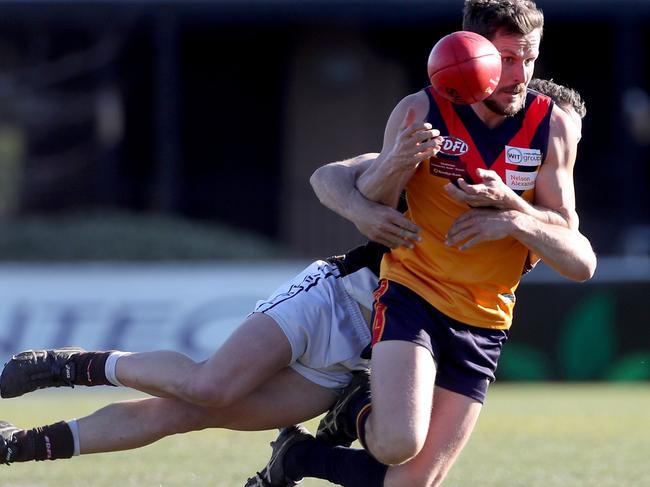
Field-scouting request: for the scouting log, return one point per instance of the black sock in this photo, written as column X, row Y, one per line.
column 91, row 369
column 45, row 443
column 340, row 465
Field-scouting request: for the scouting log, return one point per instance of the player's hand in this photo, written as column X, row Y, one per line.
column 387, row 226
column 415, row 142
column 492, row 191
column 480, row 225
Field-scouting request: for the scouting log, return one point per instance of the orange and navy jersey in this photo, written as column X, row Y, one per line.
column 475, row 286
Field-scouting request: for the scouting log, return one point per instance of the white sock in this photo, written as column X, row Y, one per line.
column 111, row 364
column 74, row 428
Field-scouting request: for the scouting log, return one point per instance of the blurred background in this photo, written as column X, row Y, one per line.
column 155, row 156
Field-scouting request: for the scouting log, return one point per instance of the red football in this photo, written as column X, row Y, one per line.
column 464, row 67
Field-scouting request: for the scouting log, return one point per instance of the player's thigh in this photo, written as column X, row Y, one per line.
column 286, row 398
column 402, row 382
column 255, row 351
column 453, row 418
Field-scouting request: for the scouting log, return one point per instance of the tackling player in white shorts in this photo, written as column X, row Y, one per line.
column 286, row 363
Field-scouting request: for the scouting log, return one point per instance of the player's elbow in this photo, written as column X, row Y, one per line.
column 583, row 263
column 584, row 269
column 589, row 268
column 589, row 261
column 316, row 180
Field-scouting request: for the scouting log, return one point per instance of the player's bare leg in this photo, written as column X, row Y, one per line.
column 254, row 352
column 453, row 418
column 285, row 399
column 402, row 379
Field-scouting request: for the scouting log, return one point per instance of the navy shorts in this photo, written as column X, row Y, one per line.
column 466, row 356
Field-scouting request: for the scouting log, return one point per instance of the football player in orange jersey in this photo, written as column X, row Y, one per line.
column 445, row 303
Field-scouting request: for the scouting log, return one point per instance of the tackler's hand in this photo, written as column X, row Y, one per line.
column 480, row 225
column 386, row 225
column 491, row 191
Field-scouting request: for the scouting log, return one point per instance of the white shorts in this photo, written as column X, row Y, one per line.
column 323, row 322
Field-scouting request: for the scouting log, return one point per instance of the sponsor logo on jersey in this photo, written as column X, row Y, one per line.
column 522, row 156
column 519, row 180
column 453, row 146
column 451, row 169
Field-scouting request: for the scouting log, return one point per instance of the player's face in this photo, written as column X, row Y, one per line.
column 518, row 56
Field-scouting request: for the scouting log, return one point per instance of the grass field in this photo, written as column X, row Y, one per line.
column 533, row 435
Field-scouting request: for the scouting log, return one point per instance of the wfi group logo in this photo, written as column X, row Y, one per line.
column 522, row 156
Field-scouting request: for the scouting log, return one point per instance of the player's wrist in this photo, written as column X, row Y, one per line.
column 511, row 201
column 525, row 226
column 394, row 164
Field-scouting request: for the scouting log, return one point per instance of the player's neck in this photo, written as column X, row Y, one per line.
column 487, row 116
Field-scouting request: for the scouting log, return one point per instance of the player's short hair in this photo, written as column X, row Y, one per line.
column 486, row 17
column 562, row 95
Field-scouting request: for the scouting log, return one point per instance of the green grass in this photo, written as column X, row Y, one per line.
column 570, row 435
column 546, row 435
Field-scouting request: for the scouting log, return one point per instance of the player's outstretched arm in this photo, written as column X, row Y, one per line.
column 335, row 186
